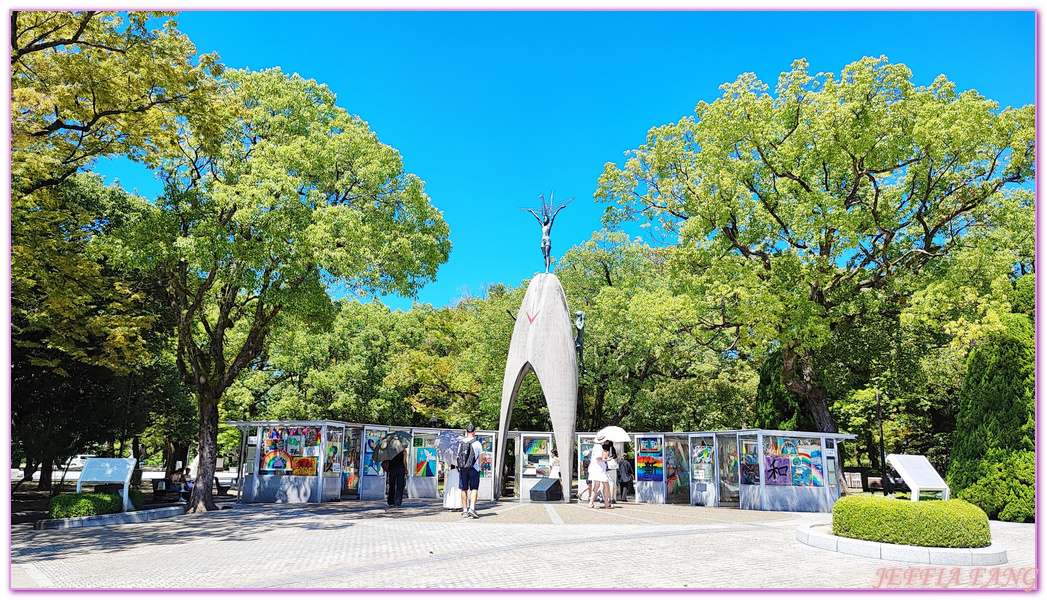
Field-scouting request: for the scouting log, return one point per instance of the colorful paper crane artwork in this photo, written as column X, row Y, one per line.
column 425, row 462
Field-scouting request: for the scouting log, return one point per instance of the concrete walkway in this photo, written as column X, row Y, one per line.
column 513, row 545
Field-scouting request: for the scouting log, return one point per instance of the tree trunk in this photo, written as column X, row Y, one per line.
column 872, row 450
column 46, row 471
column 207, row 451
column 601, row 394
column 27, row 475
column 136, row 452
column 799, row 375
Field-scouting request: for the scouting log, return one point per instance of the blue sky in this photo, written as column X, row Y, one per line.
column 492, row 109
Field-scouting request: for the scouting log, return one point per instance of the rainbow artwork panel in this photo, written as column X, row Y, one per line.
column 536, row 446
column 811, row 449
column 303, row 465
column 485, row 464
column 424, row 462
column 787, row 446
column 276, row 460
column 649, row 467
column 817, row 480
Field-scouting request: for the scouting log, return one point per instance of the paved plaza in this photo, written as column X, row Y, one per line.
column 513, row 545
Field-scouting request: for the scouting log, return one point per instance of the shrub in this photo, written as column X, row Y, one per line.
column 1007, row 491
column 992, row 464
column 65, row 506
column 936, row 523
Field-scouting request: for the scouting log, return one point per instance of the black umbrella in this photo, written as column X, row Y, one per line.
column 391, row 445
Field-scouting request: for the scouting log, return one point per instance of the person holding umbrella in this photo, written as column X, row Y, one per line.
column 391, row 452
column 397, row 479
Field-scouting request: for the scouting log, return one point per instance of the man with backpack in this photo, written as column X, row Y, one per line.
column 468, row 465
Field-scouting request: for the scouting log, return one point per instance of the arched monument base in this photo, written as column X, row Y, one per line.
column 543, row 342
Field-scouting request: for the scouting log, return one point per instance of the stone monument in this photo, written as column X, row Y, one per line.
column 543, row 341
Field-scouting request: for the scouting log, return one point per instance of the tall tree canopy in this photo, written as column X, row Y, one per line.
column 298, row 196
column 90, row 84
column 801, row 211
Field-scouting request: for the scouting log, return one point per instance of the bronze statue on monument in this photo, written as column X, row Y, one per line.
column 549, row 211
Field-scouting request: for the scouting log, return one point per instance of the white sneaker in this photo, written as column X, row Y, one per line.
column 473, row 514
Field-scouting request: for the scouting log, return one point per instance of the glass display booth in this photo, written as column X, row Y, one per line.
column 422, row 476
column 759, row 469
column 533, row 452
column 351, row 461
column 291, row 461
column 650, row 468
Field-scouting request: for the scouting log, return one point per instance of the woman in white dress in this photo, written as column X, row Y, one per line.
column 598, row 473
column 452, row 494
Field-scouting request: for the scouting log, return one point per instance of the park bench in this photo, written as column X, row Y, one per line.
column 111, row 471
column 164, row 487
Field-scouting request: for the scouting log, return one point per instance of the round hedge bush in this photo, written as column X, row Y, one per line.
column 66, row 506
column 935, row 523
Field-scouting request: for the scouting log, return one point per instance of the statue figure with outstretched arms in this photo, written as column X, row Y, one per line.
column 549, row 212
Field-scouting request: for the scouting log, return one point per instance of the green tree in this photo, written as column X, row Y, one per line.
column 992, row 463
column 300, row 195
column 777, row 407
column 647, row 363
column 791, row 207
column 90, row 84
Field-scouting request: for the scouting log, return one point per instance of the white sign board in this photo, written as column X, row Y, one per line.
column 108, row 470
column 919, row 474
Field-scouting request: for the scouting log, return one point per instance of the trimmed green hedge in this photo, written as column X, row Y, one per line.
column 65, row 506
column 948, row 524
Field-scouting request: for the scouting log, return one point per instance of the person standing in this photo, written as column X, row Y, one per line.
column 612, row 468
column 397, row 477
column 586, row 461
column 469, row 475
column 452, row 493
column 598, row 472
column 625, row 476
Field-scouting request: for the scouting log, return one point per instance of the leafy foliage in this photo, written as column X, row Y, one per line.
column 777, row 407
column 1006, row 489
column 65, row 506
column 298, row 195
column 934, row 523
column 90, row 84
column 790, row 207
column 995, row 427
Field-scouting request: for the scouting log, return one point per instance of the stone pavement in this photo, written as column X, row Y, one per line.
column 513, row 545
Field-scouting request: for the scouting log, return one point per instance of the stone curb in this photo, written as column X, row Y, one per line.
column 138, row 516
column 994, row 554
